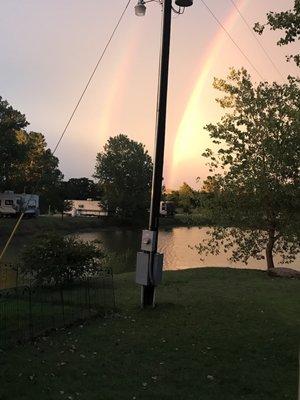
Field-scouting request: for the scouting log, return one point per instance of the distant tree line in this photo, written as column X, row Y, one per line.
column 123, row 170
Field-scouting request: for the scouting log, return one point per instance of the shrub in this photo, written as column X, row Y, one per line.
column 58, row 260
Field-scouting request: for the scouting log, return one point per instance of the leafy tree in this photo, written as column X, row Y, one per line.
column 173, row 196
column 124, row 171
column 58, row 260
column 289, row 22
column 210, row 185
column 186, row 198
column 82, row 189
column 26, row 164
column 38, row 172
column 39, row 168
column 259, row 158
column 59, row 203
column 12, row 151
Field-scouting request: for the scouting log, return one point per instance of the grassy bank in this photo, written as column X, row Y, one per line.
column 70, row 225
column 51, row 223
column 216, row 334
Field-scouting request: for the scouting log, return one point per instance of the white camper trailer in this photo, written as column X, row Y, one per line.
column 88, row 208
column 12, row 204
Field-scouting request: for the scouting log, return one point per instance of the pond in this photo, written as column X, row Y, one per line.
column 123, row 244
column 177, row 244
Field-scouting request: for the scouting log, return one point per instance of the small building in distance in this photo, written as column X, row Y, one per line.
column 87, row 208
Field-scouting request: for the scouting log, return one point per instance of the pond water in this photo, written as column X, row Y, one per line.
column 123, row 244
column 177, row 244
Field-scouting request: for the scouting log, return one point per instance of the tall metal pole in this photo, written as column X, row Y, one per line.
column 148, row 291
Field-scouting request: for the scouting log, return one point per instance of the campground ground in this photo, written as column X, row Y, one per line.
column 216, row 334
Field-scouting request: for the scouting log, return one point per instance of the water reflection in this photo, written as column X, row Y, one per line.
column 176, row 244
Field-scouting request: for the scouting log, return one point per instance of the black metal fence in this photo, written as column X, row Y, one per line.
column 27, row 311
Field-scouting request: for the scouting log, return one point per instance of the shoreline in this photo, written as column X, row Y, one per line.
column 70, row 225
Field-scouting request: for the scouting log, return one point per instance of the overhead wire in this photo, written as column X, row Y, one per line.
column 91, row 76
column 17, row 224
column 256, row 39
column 232, row 39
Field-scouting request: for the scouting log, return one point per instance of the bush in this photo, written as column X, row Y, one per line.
column 57, row 260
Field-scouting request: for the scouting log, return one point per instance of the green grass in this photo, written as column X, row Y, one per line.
column 216, row 334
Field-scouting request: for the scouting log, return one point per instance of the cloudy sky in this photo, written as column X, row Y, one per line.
column 49, row 47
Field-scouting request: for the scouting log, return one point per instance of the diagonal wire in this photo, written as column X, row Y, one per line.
column 232, row 39
column 91, row 76
column 68, row 123
column 257, row 40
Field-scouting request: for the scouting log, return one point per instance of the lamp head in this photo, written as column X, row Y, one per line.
column 140, row 8
column 184, row 3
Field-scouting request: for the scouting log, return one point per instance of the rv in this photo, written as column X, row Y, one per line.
column 12, row 204
column 88, row 208
column 167, row 209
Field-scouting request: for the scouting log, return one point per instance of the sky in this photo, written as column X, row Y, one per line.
column 49, row 47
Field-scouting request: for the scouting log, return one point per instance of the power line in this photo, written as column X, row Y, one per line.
column 91, row 76
column 68, row 123
column 257, row 40
column 231, row 38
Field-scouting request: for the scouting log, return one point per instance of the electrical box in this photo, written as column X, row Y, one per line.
column 142, row 268
column 143, row 275
column 148, row 240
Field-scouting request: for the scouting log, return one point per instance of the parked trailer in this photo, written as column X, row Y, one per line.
column 88, row 208
column 12, row 204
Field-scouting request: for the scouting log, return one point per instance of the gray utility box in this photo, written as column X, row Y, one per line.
column 143, row 274
column 148, row 240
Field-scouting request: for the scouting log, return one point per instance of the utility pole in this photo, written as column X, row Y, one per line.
column 149, row 261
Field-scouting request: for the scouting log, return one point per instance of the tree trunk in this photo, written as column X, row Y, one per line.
column 269, row 249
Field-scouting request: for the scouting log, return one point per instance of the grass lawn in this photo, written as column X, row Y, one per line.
column 217, row 334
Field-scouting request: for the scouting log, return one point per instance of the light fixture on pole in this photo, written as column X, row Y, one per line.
column 149, row 262
column 140, row 8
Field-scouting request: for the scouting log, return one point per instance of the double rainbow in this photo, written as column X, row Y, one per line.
column 191, row 140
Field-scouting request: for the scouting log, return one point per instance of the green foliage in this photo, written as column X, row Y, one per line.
column 11, row 150
column 39, row 165
column 259, row 154
column 54, row 259
column 39, row 171
column 172, row 196
column 124, row 171
column 81, row 189
column 26, row 164
column 186, row 198
column 289, row 22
